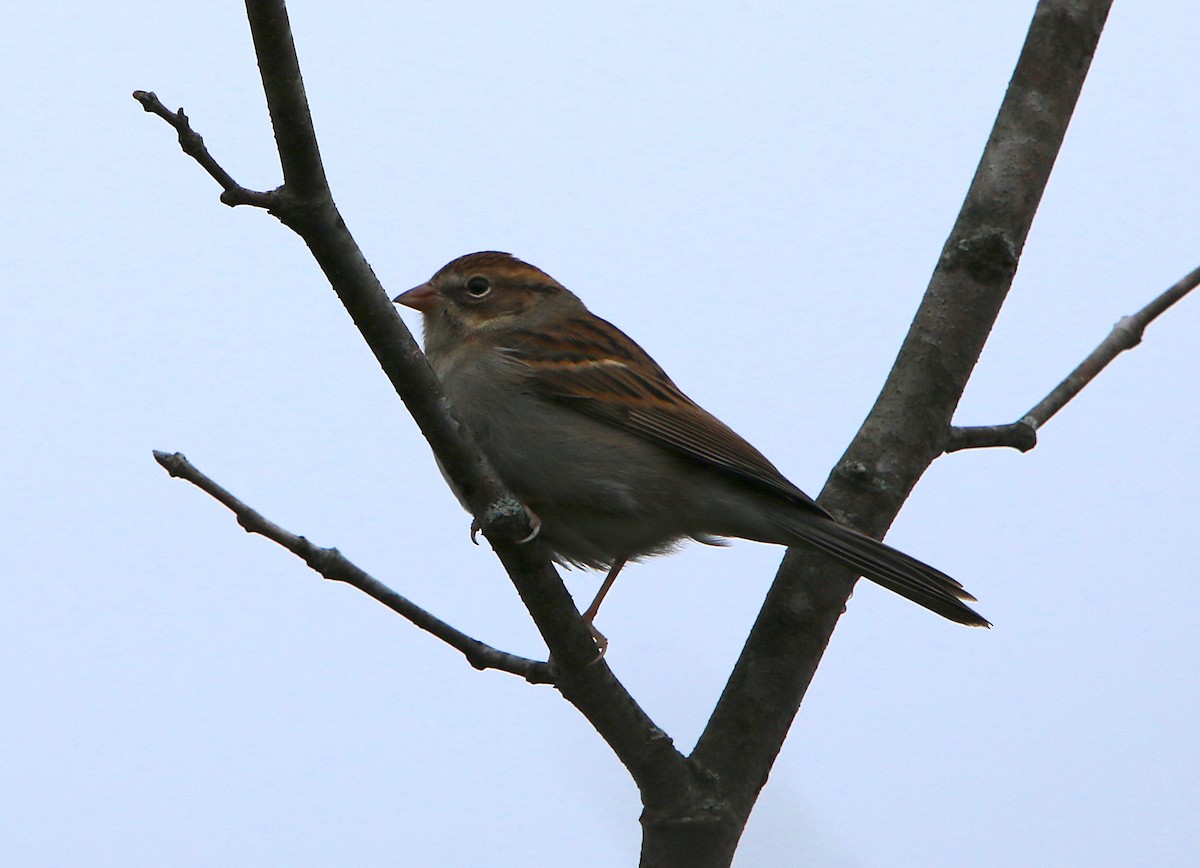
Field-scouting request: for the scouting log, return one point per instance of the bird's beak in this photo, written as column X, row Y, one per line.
column 423, row 298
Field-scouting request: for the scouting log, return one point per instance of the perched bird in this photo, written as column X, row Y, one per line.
column 614, row 462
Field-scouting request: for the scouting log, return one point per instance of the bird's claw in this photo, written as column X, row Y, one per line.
column 535, row 525
column 601, row 647
column 601, row 643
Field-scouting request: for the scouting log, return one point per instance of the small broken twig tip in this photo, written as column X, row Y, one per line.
column 172, row 462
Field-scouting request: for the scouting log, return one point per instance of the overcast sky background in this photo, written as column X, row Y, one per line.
column 758, row 195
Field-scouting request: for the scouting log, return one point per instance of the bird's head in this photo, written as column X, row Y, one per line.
column 487, row 293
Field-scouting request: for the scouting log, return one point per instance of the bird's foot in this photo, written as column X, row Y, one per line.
column 535, row 526
column 601, row 643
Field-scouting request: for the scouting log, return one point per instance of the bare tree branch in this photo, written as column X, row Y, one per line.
column 695, row 808
column 335, row 566
column 193, row 145
column 907, row 427
column 305, row 204
column 1125, row 335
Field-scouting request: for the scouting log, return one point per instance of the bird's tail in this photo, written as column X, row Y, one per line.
column 888, row 567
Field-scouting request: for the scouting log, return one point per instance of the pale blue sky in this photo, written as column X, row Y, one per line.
column 757, row 194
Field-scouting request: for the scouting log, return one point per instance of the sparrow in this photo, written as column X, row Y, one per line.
column 612, row 460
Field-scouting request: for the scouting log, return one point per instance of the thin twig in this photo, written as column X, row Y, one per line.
column 1017, row 435
column 193, row 145
column 333, row 565
column 1125, row 335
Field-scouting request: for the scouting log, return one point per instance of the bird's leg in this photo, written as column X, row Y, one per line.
column 594, row 608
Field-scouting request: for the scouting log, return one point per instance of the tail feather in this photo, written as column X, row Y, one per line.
column 886, row 566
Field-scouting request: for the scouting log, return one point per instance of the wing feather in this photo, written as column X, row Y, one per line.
column 591, row 366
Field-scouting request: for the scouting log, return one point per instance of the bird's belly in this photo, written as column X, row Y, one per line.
column 602, row 494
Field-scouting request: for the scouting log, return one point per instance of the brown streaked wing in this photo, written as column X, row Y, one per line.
column 590, row 365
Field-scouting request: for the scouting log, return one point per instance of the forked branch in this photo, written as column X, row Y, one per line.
column 696, row 808
column 193, row 145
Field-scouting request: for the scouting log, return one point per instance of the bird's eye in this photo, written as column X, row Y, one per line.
column 478, row 286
